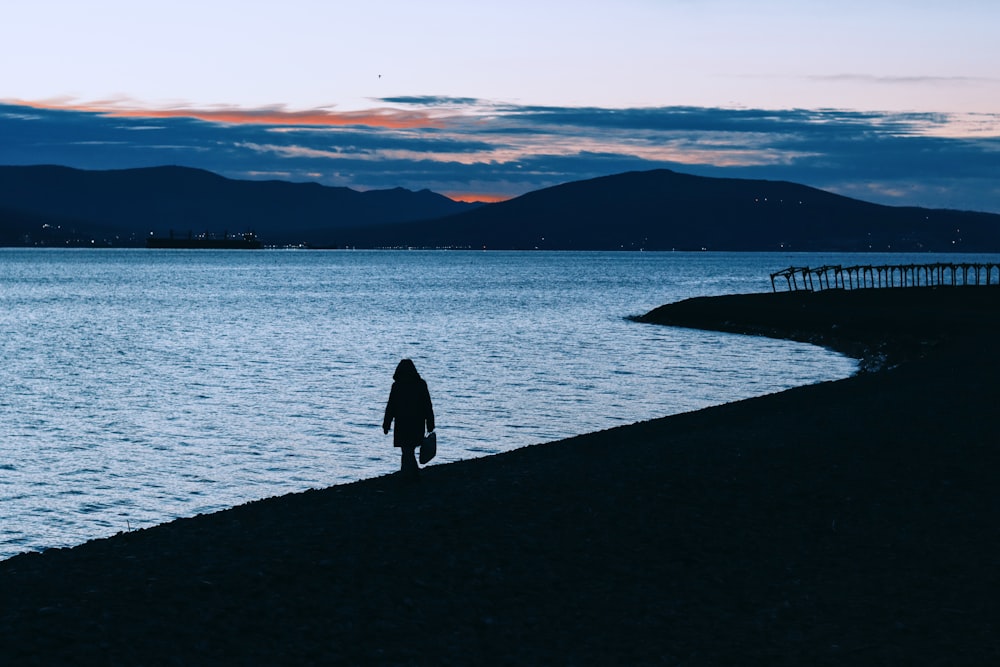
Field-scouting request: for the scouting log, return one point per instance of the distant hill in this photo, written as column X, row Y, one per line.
column 61, row 205
column 664, row 210
column 651, row 210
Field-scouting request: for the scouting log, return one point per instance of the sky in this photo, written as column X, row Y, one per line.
column 891, row 101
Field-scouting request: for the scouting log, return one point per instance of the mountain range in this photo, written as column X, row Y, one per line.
column 651, row 210
column 58, row 205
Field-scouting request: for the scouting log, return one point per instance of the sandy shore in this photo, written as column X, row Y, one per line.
column 844, row 523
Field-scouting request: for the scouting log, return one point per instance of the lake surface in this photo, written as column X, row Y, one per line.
column 140, row 386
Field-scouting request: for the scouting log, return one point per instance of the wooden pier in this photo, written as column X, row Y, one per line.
column 886, row 275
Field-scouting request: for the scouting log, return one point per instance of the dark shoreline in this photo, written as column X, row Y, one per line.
column 849, row 522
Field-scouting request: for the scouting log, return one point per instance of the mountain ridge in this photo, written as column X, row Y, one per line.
column 137, row 202
column 667, row 210
column 658, row 209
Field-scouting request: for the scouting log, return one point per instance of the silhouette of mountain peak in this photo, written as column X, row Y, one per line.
column 659, row 209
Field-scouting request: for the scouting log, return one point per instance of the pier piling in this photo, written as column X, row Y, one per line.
column 886, row 276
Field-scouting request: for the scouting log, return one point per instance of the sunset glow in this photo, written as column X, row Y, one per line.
column 383, row 117
column 484, row 197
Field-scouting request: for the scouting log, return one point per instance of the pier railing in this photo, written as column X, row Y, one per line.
column 895, row 275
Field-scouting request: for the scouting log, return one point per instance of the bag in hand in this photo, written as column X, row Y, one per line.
column 429, row 447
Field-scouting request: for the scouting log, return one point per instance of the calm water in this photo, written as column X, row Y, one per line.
column 141, row 386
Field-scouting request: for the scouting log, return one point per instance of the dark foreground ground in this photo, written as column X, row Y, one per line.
column 846, row 523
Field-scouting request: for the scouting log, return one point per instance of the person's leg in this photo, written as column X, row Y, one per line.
column 408, row 465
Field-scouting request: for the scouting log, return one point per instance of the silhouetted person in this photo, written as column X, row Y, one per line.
column 410, row 405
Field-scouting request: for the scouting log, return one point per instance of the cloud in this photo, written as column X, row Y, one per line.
column 904, row 80
column 479, row 148
column 272, row 115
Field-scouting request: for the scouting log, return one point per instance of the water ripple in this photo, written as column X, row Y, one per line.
column 142, row 386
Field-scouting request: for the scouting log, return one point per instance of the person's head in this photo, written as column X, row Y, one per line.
column 405, row 370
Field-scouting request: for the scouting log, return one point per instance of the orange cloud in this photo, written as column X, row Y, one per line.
column 381, row 117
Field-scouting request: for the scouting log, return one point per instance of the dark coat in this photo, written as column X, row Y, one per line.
column 410, row 405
